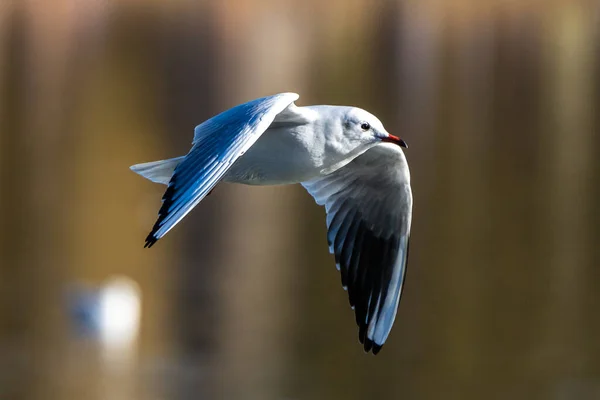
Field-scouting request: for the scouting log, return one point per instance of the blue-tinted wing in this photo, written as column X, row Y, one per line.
column 217, row 144
column 369, row 207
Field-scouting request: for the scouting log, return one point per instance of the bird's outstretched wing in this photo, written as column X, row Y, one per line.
column 369, row 207
column 218, row 143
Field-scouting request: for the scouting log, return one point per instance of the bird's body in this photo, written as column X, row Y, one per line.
column 340, row 155
column 261, row 164
column 294, row 151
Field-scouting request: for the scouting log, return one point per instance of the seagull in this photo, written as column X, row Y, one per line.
column 342, row 156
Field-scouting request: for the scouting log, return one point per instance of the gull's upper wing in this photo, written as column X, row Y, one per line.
column 218, row 143
column 369, row 207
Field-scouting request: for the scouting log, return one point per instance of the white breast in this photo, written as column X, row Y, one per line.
column 284, row 156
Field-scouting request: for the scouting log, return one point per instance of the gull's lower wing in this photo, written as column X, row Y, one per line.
column 218, row 143
column 369, row 207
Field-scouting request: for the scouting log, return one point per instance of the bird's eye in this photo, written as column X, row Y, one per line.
column 365, row 126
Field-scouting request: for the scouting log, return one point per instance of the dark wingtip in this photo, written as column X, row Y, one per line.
column 368, row 345
column 150, row 240
column 162, row 213
column 362, row 334
column 376, row 348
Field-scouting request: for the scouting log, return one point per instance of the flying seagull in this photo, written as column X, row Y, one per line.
column 344, row 158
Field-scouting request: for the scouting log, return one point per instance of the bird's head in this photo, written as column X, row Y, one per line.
column 363, row 127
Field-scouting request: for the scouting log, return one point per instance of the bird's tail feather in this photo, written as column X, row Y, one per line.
column 157, row 171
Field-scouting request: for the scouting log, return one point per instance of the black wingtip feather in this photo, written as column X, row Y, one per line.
column 150, row 240
column 368, row 345
column 376, row 348
column 362, row 333
column 167, row 201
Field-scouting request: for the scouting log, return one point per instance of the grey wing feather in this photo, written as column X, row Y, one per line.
column 217, row 144
column 369, row 205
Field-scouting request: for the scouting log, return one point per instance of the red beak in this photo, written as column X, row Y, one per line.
column 396, row 140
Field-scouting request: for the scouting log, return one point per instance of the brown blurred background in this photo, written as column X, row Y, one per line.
column 499, row 101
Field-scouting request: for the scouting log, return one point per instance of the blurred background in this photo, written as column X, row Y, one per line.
column 499, row 101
